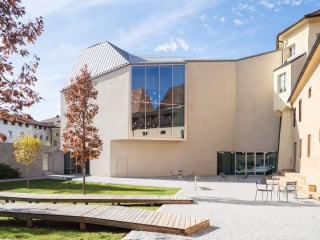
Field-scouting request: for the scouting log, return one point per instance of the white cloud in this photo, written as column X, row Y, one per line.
column 158, row 23
column 292, row 2
column 167, row 47
column 237, row 22
column 208, row 28
column 244, row 6
column 222, row 19
column 200, row 49
column 36, row 8
column 183, row 44
column 277, row 3
column 203, row 17
column 173, row 45
column 267, row 4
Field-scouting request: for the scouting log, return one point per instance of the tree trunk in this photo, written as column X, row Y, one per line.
column 27, row 175
column 83, row 177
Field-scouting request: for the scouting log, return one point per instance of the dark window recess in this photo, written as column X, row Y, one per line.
column 145, row 133
column 163, row 132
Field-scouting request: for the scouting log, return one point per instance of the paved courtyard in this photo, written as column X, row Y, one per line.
column 232, row 210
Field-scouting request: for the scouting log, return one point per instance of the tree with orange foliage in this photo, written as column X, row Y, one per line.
column 80, row 136
column 16, row 87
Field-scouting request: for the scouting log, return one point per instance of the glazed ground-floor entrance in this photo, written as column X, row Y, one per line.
column 253, row 163
column 70, row 166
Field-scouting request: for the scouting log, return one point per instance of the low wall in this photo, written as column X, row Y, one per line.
column 55, row 161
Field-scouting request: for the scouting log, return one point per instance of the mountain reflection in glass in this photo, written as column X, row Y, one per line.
column 157, row 100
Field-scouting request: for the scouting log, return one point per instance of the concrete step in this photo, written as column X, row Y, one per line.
column 296, row 177
column 304, row 188
column 311, row 195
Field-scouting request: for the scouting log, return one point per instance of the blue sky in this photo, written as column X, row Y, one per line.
column 217, row 29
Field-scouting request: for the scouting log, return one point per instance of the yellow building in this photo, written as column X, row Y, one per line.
column 159, row 115
column 294, row 99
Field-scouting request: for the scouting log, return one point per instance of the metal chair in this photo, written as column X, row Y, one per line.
column 262, row 186
column 275, row 183
column 290, row 187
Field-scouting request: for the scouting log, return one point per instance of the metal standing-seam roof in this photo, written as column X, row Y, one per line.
column 101, row 58
column 105, row 57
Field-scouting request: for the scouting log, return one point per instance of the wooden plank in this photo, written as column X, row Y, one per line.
column 156, row 219
column 187, row 223
column 172, row 220
column 175, row 224
column 181, row 222
column 115, row 216
column 94, row 198
column 167, row 220
column 140, row 216
column 149, row 218
column 163, row 219
column 122, row 212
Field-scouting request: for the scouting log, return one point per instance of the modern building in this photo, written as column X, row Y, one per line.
column 159, row 115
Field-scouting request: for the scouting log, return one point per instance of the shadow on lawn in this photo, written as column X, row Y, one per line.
column 71, row 187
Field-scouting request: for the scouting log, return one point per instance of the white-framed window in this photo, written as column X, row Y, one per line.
column 282, row 83
column 292, row 50
column 57, row 134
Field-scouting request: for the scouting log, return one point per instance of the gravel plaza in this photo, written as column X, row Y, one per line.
column 233, row 212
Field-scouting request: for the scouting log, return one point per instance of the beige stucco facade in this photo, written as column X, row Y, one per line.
column 295, row 133
column 228, row 108
column 235, row 106
column 306, row 132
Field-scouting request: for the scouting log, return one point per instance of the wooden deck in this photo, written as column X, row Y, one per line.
column 114, row 216
column 90, row 198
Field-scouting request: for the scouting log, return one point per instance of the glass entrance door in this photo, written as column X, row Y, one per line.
column 253, row 163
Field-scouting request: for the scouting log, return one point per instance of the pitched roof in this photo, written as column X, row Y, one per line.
column 105, row 57
column 307, row 16
column 53, row 122
column 101, row 58
column 313, row 56
column 313, row 14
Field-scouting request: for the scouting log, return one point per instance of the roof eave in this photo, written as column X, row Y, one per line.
column 314, row 49
column 296, row 24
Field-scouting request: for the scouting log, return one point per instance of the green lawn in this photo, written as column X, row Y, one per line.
column 16, row 229
column 49, row 230
column 75, row 187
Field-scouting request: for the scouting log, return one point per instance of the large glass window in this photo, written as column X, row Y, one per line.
column 253, row 163
column 158, row 101
column 240, row 161
column 250, row 161
column 226, row 162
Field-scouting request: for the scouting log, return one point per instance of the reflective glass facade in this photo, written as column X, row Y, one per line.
column 253, row 163
column 157, row 101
